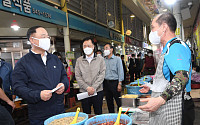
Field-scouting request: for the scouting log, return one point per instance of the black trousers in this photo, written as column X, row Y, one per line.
column 132, row 79
column 137, row 75
column 188, row 112
column 111, row 92
column 96, row 101
column 5, row 117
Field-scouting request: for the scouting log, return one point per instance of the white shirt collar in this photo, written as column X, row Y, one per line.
column 89, row 59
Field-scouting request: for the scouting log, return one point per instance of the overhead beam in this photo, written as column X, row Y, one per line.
column 134, row 7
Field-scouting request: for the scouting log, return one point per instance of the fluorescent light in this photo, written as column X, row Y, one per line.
column 14, row 25
column 109, row 14
column 170, row 2
column 165, row 10
column 132, row 15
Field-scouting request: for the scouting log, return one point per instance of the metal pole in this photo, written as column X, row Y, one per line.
column 122, row 29
column 66, row 29
column 177, row 14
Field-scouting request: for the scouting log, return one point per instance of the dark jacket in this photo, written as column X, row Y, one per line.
column 132, row 66
column 139, row 65
column 31, row 76
column 5, row 74
column 124, row 67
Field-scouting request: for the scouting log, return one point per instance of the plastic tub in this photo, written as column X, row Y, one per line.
column 49, row 120
column 135, row 89
column 99, row 119
column 147, row 78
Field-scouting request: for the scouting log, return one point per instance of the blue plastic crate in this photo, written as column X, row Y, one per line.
column 147, row 78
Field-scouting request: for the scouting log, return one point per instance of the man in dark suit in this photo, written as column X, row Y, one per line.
column 139, row 65
column 132, row 67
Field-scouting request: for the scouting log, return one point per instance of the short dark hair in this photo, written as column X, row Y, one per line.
column 99, row 51
column 150, row 51
column 169, row 19
column 95, row 46
column 117, row 54
column 133, row 55
column 122, row 56
column 32, row 30
column 57, row 54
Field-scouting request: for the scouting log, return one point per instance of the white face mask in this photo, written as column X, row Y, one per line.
column 88, row 50
column 154, row 38
column 150, row 54
column 193, row 71
column 44, row 43
column 106, row 52
column 98, row 54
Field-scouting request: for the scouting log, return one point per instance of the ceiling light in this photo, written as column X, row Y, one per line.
column 14, row 25
column 189, row 3
column 128, row 32
column 132, row 16
column 109, row 14
column 165, row 10
column 170, row 2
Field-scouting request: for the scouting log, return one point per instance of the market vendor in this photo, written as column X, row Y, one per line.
column 36, row 74
column 172, row 76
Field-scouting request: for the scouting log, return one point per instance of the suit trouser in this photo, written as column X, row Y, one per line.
column 111, row 92
column 132, row 78
column 137, row 75
column 96, row 101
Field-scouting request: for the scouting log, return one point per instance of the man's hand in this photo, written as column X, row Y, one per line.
column 145, row 89
column 153, row 104
column 90, row 90
column 45, row 95
column 119, row 87
column 61, row 90
column 11, row 103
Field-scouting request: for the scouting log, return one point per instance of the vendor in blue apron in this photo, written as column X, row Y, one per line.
column 172, row 76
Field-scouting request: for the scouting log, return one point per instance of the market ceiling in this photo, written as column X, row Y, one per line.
column 146, row 9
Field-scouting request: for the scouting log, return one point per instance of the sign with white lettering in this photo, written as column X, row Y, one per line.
column 35, row 9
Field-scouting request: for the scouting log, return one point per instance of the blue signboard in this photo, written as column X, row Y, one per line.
column 35, row 9
column 78, row 23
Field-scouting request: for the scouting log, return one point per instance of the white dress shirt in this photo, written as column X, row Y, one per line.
column 89, row 59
